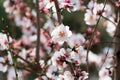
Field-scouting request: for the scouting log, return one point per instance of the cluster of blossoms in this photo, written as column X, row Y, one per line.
column 62, row 52
column 95, row 10
column 70, row 5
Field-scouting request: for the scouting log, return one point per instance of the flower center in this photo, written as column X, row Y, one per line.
column 91, row 18
column 61, row 33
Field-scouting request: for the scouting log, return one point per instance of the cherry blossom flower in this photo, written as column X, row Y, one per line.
column 8, row 7
column 4, row 41
column 111, row 27
column 67, row 76
column 99, row 7
column 50, row 71
column 104, row 74
column 12, row 76
column 70, row 5
column 76, row 40
column 60, row 58
column 3, row 66
column 61, row 33
column 83, row 75
column 75, row 55
column 90, row 18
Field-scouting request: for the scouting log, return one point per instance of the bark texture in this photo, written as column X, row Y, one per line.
column 117, row 48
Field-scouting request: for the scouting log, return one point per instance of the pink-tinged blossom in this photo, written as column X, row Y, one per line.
column 104, row 74
column 59, row 59
column 23, row 54
column 66, row 76
column 107, row 11
column 39, row 78
column 3, row 66
column 91, row 4
column 14, row 7
column 75, row 55
column 11, row 74
column 93, row 58
column 28, row 40
column 42, row 78
column 61, row 33
column 90, row 18
column 76, row 40
column 83, row 75
column 50, row 71
column 4, row 44
column 42, row 5
column 49, row 26
column 70, row 5
column 99, row 7
column 24, row 21
column 8, row 7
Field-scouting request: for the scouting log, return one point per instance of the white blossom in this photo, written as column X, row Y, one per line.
column 61, row 33
column 104, row 74
column 4, row 41
column 67, row 76
column 90, row 18
column 3, row 66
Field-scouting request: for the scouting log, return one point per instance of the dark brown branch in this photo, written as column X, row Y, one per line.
column 58, row 11
column 38, row 33
column 117, row 53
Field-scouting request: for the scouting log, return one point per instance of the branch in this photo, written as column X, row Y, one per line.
column 13, row 60
column 91, row 39
column 38, row 33
column 109, row 20
column 58, row 11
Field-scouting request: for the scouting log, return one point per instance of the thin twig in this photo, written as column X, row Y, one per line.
column 58, row 11
column 91, row 39
column 13, row 60
column 105, row 57
column 108, row 20
column 9, row 48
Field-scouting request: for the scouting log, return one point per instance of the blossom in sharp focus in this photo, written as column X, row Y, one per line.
column 61, row 33
column 90, row 18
